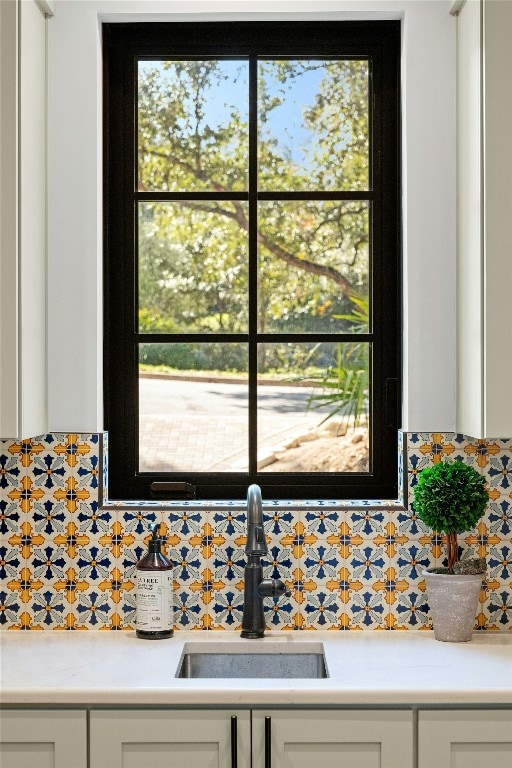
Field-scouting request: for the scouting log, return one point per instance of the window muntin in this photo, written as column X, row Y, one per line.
column 322, row 219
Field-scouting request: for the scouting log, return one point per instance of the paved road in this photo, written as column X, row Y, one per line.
column 198, row 426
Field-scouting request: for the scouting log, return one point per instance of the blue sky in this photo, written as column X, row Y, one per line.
column 285, row 122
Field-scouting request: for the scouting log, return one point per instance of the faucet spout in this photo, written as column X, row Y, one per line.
column 256, row 543
column 255, row 586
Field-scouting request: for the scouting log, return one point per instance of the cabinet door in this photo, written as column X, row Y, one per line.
column 170, row 739
column 465, row 739
column 332, row 739
column 43, row 739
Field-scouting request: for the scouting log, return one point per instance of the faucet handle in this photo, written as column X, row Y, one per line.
column 273, row 588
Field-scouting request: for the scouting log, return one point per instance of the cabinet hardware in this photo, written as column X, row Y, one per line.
column 268, row 757
column 234, row 742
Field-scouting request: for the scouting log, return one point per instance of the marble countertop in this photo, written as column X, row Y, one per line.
column 365, row 668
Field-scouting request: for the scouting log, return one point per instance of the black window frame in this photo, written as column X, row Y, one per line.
column 123, row 46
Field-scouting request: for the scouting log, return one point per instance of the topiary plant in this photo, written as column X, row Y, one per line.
column 450, row 497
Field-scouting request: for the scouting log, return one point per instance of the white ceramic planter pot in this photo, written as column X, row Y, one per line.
column 453, row 602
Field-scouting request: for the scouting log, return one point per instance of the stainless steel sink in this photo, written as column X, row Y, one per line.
column 262, row 664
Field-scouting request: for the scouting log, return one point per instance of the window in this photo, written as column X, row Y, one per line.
column 252, row 255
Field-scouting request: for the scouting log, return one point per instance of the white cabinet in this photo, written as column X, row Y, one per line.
column 43, row 739
column 332, row 739
column 465, row 739
column 22, row 219
column 484, row 214
column 281, row 738
column 170, row 739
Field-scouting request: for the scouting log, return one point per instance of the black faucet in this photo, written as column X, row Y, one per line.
column 255, row 586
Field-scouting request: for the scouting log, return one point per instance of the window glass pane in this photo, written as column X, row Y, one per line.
column 192, row 125
column 313, row 267
column 313, row 124
column 315, row 396
column 193, row 408
column 192, row 267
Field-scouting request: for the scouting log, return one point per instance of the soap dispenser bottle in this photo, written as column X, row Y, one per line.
column 154, row 599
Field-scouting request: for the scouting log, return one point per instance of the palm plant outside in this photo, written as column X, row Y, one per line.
column 344, row 387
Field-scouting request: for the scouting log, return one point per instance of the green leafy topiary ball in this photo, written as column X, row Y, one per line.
column 450, row 497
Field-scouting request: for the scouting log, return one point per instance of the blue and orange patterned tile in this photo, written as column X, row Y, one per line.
column 115, row 586
column 137, row 520
column 25, row 494
column 412, row 559
column 24, row 585
column 26, row 450
column 207, row 540
column 49, row 472
column 116, row 540
column 497, row 610
column 324, row 522
column 95, row 520
column 10, row 609
column 322, row 609
column 11, row 561
column 435, row 446
column 71, row 564
column 228, row 563
column 391, row 539
column 47, row 609
column 366, row 610
column 9, row 518
column 186, row 522
column 367, row 522
column 366, row 606
column 126, row 612
column 368, row 563
column 72, row 448
column 321, row 561
column 298, row 540
column 499, row 473
column 72, row 494
column 88, row 472
column 280, row 613
column 301, row 586
column 409, row 524
column 391, row 586
column 279, row 521
column 499, row 517
column 93, row 610
column 71, row 539
column 227, row 610
column 410, row 610
column 190, row 610
column 345, row 540
column 195, row 599
column 49, row 517
column 9, row 470
column 480, row 540
column 187, row 565
column 481, row 452
column 94, row 564
column 25, row 540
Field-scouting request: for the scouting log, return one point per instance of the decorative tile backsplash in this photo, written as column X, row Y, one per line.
column 68, row 556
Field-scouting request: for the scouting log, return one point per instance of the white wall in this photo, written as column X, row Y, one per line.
column 75, row 186
column 22, row 220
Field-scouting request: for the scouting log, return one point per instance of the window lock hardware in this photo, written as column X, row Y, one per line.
column 173, row 490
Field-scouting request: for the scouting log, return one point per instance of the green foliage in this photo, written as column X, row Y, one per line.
column 313, row 255
column 195, row 356
column 450, row 497
column 345, row 385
